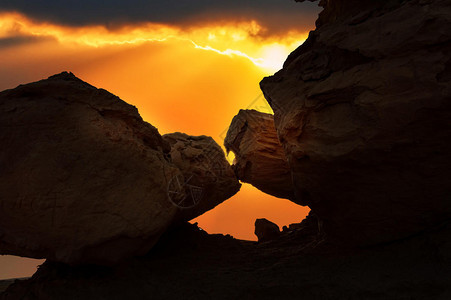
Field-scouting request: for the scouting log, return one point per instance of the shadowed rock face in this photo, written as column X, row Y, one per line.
column 188, row 263
column 259, row 156
column 266, row 230
column 341, row 10
column 83, row 179
column 208, row 178
column 363, row 111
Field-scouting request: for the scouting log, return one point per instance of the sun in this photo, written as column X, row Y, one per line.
column 273, row 56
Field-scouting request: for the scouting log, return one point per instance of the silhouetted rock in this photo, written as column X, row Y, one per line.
column 363, row 111
column 340, row 10
column 259, row 156
column 5, row 283
column 266, row 230
column 188, row 263
column 310, row 224
column 83, row 179
column 207, row 177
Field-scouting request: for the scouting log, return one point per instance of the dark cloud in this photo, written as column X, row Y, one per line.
column 21, row 40
column 275, row 14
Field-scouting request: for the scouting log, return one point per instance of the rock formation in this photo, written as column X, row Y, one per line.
column 83, row 179
column 188, row 263
column 266, row 230
column 207, row 177
column 363, row 111
column 259, row 157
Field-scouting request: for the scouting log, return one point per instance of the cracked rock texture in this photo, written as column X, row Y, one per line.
column 259, row 156
column 83, row 179
column 363, row 111
column 208, row 176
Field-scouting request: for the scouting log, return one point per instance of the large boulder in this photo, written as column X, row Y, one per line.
column 83, row 179
column 259, row 156
column 207, row 178
column 363, row 111
column 266, row 230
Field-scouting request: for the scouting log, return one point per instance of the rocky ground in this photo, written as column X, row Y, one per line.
column 188, row 263
column 5, row 283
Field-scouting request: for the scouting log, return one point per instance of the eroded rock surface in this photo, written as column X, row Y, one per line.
column 83, row 179
column 363, row 110
column 207, row 177
column 259, row 156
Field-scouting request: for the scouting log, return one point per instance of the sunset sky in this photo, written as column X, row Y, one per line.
column 187, row 65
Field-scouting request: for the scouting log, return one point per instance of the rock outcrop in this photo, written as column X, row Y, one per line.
column 259, row 156
column 266, row 230
column 83, row 179
column 207, row 177
column 363, row 111
column 188, row 263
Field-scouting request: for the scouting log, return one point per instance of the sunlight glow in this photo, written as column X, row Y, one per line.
column 273, row 56
column 192, row 79
column 243, row 39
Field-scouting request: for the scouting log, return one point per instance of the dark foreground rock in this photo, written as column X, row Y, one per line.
column 187, row 263
column 4, row 284
column 363, row 111
column 266, row 230
column 83, row 179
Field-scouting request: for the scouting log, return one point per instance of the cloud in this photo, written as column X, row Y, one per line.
column 19, row 40
column 273, row 14
column 233, row 39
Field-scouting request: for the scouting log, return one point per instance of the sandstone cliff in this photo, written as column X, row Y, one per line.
column 362, row 110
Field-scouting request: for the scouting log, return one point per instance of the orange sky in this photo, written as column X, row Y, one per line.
column 192, row 80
